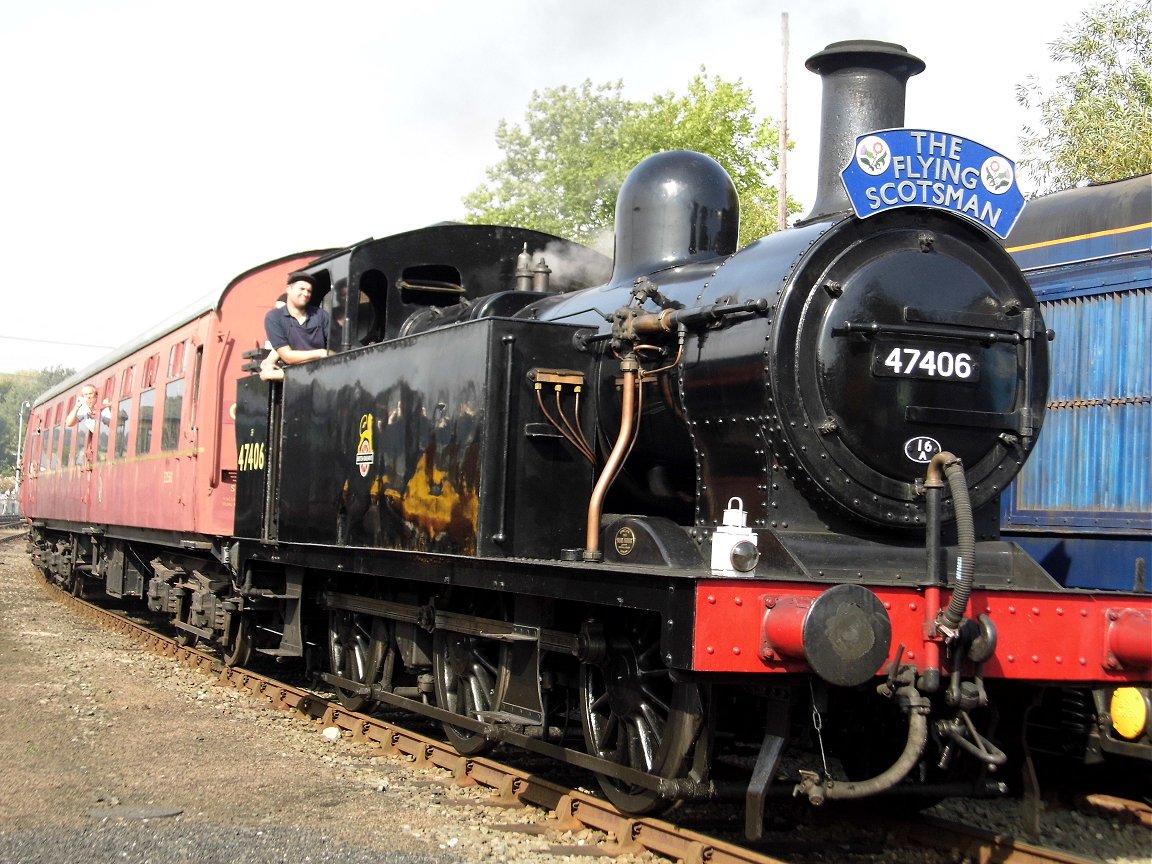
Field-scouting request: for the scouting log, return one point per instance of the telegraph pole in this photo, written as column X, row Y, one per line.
column 782, row 203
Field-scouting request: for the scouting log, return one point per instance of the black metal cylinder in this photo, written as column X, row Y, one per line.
column 864, row 91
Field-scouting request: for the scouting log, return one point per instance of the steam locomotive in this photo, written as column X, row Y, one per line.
column 649, row 515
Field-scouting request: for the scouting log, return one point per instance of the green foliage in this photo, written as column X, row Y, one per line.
column 1097, row 119
column 16, row 388
column 564, row 165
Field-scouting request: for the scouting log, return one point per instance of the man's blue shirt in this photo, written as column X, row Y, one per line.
column 282, row 329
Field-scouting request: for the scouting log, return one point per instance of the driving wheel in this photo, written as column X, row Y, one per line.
column 358, row 649
column 467, row 670
column 635, row 715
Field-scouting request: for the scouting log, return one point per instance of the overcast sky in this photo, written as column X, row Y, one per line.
column 151, row 150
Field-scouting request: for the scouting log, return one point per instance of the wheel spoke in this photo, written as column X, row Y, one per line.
column 479, row 690
column 643, row 743
column 653, row 720
column 354, row 654
column 465, row 670
column 634, row 714
column 605, row 734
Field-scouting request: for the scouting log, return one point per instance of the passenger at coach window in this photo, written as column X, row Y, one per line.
column 299, row 331
column 84, row 411
column 83, row 415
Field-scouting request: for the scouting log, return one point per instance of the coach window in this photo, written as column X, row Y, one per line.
column 46, row 443
column 54, row 459
column 104, row 435
column 124, row 413
column 173, row 397
column 67, row 458
column 197, row 369
column 34, row 446
column 176, row 360
column 147, row 406
column 144, row 423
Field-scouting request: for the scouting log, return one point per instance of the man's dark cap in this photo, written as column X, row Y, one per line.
column 301, row 276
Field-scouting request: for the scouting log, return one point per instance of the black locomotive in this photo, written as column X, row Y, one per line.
column 689, row 504
column 513, row 498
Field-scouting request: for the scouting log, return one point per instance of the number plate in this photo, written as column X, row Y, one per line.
column 925, row 360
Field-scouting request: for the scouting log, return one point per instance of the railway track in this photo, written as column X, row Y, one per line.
column 573, row 810
column 11, row 524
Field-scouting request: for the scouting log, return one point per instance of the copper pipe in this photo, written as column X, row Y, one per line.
column 575, row 435
column 586, row 453
column 580, row 430
column 629, row 367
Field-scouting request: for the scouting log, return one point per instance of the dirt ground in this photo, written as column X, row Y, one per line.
column 97, row 728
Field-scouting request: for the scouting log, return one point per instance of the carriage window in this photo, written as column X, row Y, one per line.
column 196, row 369
column 31, row 454
column 173, row 403
column 176, row 360
column 104, row 432
column 144, row 422
column 79, row 437
column 123, row 414
column 67, row 458
column 104, row 425
column 45, row 449
column 54, row 458
column 56, row 418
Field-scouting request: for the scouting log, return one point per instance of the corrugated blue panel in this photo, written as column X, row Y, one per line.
column 1092, row 465
column 1100, row 350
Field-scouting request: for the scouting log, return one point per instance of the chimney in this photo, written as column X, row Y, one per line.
column 864, row 89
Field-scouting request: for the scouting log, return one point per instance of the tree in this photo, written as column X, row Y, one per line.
column 563, row 167
column 16, row 388
column 1096, row 123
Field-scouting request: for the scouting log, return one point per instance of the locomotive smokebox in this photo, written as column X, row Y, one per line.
column 864, row 89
